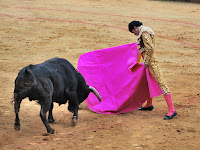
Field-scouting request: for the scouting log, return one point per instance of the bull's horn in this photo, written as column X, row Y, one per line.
column 93, row 90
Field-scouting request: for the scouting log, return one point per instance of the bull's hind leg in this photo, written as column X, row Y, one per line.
column 45, row 106
column 17, row 103
column 50, row 117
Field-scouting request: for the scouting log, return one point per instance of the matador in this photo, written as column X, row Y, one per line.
column 146, row 46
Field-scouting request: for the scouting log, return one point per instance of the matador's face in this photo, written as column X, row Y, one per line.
column 136, row 30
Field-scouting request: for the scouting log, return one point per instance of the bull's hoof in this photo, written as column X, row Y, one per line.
column 52, row 121
column 74, row 121
column 17, row 126
column 51, row 131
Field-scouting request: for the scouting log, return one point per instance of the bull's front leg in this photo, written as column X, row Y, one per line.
column 50, row 117
column 73, row 107
column 75, row 118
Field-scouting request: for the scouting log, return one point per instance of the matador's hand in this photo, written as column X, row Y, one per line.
column 145, row 65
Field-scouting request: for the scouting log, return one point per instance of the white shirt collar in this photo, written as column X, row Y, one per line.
column 140, row 27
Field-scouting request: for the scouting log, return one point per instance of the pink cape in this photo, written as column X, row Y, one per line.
column 124, row 84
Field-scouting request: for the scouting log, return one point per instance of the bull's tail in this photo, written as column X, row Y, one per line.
column 28, row 69
column 20, row 94
column 30, row 84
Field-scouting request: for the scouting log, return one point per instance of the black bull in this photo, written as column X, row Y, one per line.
column 55, row 80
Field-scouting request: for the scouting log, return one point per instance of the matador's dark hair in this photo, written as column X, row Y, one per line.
column 133, row 24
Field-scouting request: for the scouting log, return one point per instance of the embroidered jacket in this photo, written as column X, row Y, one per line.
column 146, row 43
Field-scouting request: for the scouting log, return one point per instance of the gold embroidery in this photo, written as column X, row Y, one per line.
column 146, row 44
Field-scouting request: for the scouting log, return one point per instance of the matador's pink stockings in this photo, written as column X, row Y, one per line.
column 168, row 99
column 149, row 103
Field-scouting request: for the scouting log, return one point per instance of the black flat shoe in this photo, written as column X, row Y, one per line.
column 170, row 117
column 147, row 108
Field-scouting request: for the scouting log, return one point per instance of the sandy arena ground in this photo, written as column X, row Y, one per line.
column 32, row 31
